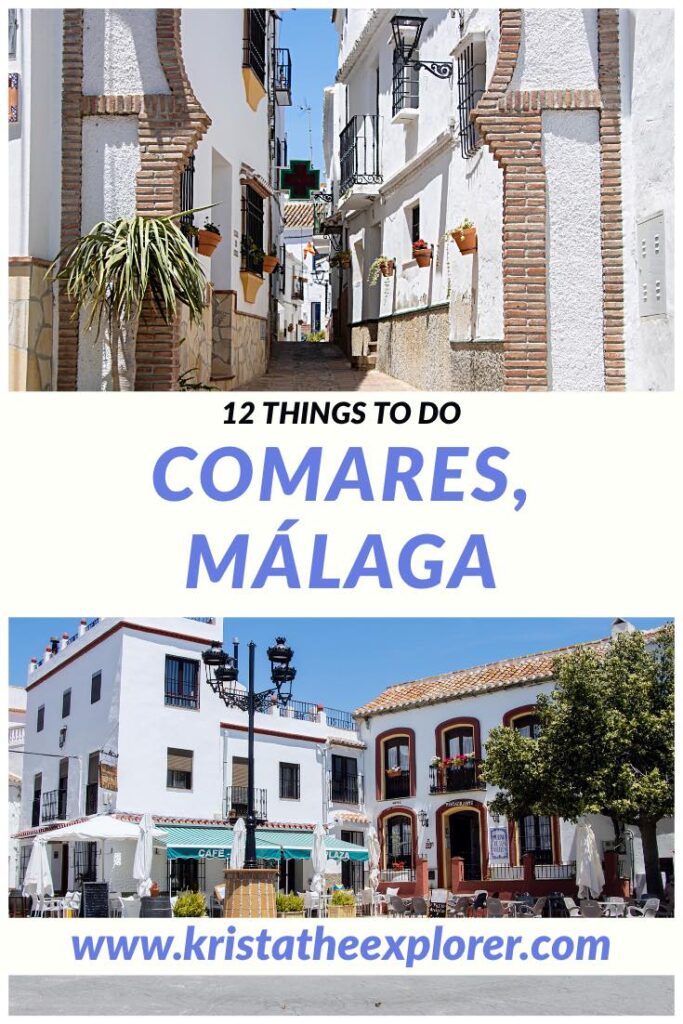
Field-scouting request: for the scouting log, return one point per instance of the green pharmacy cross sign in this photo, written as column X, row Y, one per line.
column 299, row 179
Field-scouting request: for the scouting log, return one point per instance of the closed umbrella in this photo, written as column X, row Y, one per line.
column 38, row 877
column 373, row 861
column 239, row 844
column 590, row 877
column 318, row 859
column 144, row 852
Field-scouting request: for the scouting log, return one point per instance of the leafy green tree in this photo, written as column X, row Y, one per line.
column 606, row 744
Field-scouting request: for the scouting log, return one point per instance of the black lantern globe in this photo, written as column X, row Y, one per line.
column 407, row 32
column 282, row 672
column 220, row 668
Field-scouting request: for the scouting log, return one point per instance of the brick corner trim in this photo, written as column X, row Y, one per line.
column 510, row 123
column 170, row 126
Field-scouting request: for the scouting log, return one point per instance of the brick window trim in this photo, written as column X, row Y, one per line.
column 510, row 123
column 380, row 741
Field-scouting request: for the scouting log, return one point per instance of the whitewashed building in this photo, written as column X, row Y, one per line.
column 15, row 766
column 552, row 131
column 305, row 283
column 428, row 816
column 147, row 110
column 119, row 720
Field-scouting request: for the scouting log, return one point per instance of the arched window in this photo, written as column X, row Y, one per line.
column 395, row 764
column 398, row 842
column 527, row 725
column 459, row 741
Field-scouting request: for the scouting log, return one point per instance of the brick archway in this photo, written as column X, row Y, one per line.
column 443, row 814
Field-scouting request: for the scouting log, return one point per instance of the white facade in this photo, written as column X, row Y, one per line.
column 443, row 326
column 134, row 723
column 312, row 300
column 15, row 766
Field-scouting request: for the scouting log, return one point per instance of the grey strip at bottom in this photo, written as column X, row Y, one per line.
column 321, row 996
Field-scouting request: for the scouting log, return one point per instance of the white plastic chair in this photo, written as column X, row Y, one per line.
column 311, row 903
column 648, row 910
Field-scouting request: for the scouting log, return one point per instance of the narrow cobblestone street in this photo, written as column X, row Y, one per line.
column 318, row 366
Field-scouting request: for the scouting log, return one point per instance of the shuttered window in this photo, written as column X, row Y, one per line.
column 240, row 771
column 289, row 781
column 179, row 768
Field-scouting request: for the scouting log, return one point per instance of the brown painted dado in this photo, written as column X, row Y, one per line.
column 510, row 123
column 169, row 127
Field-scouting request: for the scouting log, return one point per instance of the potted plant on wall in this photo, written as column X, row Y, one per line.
column 383, row 265
column 208, row 238
column 270, row 261
column 109, row 271
column 341, row 259
column 422, row 253
column 465, row 237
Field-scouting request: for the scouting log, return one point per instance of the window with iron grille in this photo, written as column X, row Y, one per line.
column 406, row 83
column 289, row 781
column 66, row 703
column 40, row 718
column 37, row 794
column 254, row 56
column 95, row 687
column 471, row 86
column 535, row 836
column 252, row 231
column 24, row 858
column 178, row 768
column 187, row 199
column 181, row 683
column 85, row 862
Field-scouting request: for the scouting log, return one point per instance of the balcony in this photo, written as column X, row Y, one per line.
column 359, row 162
column 53, row 805
column 455, row 778
column 236, row 803
column 92, row 792
column 283, row 78
column 346, row 789
column 396, row 784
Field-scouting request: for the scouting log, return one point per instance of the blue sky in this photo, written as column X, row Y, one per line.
column 344, row 662
column 312, row 40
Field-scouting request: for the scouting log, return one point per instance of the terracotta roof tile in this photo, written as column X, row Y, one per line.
column 299, row 215
column 497, row 675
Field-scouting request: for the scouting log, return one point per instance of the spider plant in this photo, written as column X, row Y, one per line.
column 111, row 269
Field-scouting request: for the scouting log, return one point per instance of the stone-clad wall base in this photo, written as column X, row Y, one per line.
column 30, row 326
column 195, row 344
column 415, row 348
column 249, row 351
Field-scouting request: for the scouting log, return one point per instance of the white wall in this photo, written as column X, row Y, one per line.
column 647, row 84
column 558, row 50
column 571, row 154
column 120, row 52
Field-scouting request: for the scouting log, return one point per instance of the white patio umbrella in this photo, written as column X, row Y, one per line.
column 239, row 844
column 144, row 852
column 318, row 859
column 590, row 877
column 102, row 826
column 38, row 877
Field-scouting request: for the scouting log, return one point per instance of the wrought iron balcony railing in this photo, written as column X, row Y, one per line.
column 236, row 803
column 53, row 805
column 359, row 152
column 283, row 78
column 456, row 777
column 396, row 784
column 346, row 789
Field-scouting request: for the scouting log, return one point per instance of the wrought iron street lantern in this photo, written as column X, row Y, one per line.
column 222, row 673
column 423, row 817
column 407, row 32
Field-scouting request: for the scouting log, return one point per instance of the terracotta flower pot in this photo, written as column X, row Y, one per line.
column 466, row 240
column 423, row 257
column 208, row 242
column 269, row 264
column 387, row 269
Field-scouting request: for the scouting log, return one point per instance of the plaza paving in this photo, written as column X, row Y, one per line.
column 418, row 996
column 318, row 366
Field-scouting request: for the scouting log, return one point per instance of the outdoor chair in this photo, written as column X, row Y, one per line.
column 462, row 905
column 366, row 902
column 479, row 902
column 649, row 909
column 115, row 905
column 494, row 908
column 591, row 908
column 419, row 907
column 535, row 911
column 311, row 903
column 572, row 908
column 397, row 907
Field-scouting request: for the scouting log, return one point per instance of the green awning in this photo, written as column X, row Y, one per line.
column 215, row 841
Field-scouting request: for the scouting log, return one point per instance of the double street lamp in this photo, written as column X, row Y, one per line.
column 222, row 673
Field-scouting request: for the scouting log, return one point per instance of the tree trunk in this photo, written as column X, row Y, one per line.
column 648, row 832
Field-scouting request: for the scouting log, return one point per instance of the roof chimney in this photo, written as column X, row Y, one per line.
column 622, row 626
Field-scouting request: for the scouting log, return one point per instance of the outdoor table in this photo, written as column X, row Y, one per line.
column 612, row 909
column 512, row 906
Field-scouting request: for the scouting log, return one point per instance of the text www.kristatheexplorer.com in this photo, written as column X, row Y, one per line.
column 314, row 944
